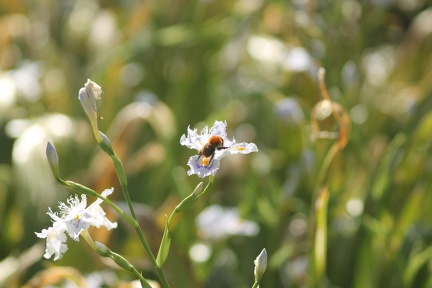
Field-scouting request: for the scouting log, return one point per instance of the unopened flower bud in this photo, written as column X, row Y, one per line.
column 102, row 250
column 198, row 189
column 81, row 188
column 53, row 160
column 88, row 96
column 105, row 144
column 260, row 265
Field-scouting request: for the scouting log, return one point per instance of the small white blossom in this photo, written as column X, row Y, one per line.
column 206, row 166
column 73, row 219
column 88, row 96
column 55, row 240
column 217, row 222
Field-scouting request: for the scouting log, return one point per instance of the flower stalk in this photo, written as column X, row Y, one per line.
column 184, row 204
column 88, row 96
column 318, row 234
column 106, row 146
column 104, row 251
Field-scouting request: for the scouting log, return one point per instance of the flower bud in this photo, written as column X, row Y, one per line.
column 105, row 144
column 81, row 188
column 88, row 96
column 198, row 189
column 102, row 250
column 260, row 265
column 53, row 160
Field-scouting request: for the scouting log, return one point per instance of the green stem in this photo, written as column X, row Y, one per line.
column 319, row 218
column 123, row 183
column 117, row 258
column 191, row 197
column 320, row 241
column 146, row 246
column 256, row 284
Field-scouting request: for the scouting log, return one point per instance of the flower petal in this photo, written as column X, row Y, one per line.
column 242, row 148
column 55, row 240
column 202, row 170
column 219, row 128
column 192, row 140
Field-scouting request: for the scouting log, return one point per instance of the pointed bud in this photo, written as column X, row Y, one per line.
column 189, row 200
column 81, row 189
column 164, row 247
column 53, row 160
column 260, row 265
column 105, row 144
column 102, row 250
column 198, row 189
column 88, row 96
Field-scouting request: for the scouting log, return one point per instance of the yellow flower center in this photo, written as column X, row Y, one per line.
column 205, row 161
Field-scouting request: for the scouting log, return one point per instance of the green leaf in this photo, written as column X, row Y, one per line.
column 414, row 265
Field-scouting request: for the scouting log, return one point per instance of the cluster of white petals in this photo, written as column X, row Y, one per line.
column 197, row 141
column 72, row 220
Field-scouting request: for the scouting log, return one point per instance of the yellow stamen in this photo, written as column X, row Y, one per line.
column 205, row 161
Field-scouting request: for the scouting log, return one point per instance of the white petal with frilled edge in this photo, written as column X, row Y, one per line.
column 196, row 167
column 98, row 214
column 242, row 148
column 193, row 140
column 55, row 240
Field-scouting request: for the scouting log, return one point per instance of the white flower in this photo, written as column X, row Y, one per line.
column 217, row 222
column 56, row 239
column 88, row 96
column 206, row 164
column 74, row 218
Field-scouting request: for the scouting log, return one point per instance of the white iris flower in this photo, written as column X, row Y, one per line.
column 73, row 219
column 208, row 160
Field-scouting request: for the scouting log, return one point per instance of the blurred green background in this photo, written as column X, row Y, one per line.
column 164, row 65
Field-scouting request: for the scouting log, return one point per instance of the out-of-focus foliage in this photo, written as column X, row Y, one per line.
column 165, row 65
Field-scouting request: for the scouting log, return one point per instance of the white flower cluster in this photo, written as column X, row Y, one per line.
column 73, row 219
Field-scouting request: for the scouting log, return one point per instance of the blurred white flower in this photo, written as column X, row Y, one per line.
column 288, row 110
column 297, row 59
column 216, row 222
column 74, row 218
column 213, row 144
column 266, row 49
